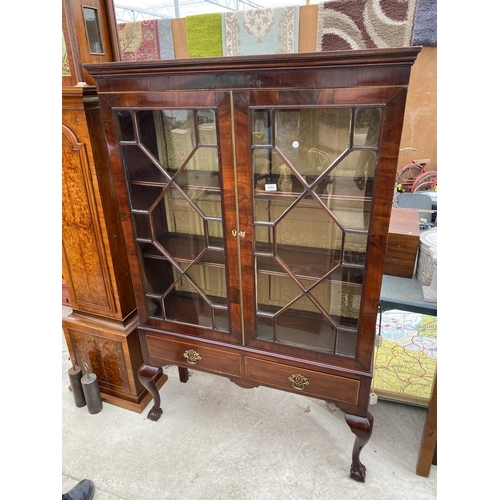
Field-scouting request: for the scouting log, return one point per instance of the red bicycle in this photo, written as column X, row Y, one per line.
column 414, row 177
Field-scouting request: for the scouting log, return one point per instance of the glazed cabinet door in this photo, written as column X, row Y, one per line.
column 175, row 167
column 317, row 193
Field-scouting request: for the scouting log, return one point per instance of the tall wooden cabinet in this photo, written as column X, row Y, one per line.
column 102, row 327
column 255, row 195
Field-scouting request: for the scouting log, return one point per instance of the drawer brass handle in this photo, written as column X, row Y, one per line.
column 192, row 356
column 298, row 381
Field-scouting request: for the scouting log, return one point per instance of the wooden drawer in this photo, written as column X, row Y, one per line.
column 321, row 385
column 204, row 358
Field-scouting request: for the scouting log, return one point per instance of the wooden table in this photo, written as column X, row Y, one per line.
column 406, row 294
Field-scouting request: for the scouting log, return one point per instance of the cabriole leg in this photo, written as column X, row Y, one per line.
column 362, row 427
column 147, row 376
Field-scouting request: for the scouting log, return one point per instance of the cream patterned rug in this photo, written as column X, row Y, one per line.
column 261, row 31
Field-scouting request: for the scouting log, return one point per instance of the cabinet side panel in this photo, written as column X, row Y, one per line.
column 80, row 235
column 114, row 242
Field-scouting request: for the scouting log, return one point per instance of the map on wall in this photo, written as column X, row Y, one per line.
column 405, row 364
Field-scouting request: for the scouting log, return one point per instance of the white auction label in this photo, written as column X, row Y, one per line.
column 271, row 187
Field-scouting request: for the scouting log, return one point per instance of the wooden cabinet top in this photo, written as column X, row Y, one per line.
column 341, row 69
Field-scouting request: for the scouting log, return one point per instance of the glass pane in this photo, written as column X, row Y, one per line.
column 313, row 181
column 125, row 125
column 211, row 280
column 367, row 126
column 341, row 301
column 355, row 248
column 91, row 17
column 169, row 134
column 178, row 221
column 351, row 214
column 66, row 69
column 261, row 127
column 263, row 236
column 312, row 139
column 154, row 307
column 353, row 176
column 215, row 234
column 140, row 167
column 141, row 226
column 273, row 175
column 206, row 127
column 305, row 329
column 221, row 319
column 143, row 197
column 346, row 343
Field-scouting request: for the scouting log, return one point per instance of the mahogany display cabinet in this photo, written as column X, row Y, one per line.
column 255, row 195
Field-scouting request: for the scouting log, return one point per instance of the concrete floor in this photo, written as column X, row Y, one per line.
column 217, row 441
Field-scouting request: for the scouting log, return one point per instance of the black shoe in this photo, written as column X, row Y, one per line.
column 84, row 490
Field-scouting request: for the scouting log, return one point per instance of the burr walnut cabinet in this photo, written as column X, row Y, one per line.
column 101, row 329
column 255, row 195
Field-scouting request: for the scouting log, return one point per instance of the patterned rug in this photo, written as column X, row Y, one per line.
column 365, row 24
column 139, row 40
column 261, row 31
column 146, row 40
column 166, row 39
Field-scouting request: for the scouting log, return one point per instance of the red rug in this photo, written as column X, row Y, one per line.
column 139, row 41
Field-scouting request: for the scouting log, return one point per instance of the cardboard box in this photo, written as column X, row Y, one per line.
column 402, row 242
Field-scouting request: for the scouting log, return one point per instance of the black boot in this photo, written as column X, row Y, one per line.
column 84, row 490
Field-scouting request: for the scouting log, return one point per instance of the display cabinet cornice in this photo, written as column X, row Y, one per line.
column 255, row 195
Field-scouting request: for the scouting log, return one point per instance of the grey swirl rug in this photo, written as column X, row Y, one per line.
column 365, row 24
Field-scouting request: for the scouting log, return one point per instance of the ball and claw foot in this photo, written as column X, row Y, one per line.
column 358, row 472
column 154, row 414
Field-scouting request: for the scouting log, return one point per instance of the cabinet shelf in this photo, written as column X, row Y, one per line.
column 312, row 330
column 186, row 249
column 190, row 308
column 188, row 178
column 328, row 188
column 308, row 263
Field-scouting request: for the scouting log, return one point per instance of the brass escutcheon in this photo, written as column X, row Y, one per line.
column 192, row 356
column 298, row 381
column 234, row 232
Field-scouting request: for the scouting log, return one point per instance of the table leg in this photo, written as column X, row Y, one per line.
column 429, row 435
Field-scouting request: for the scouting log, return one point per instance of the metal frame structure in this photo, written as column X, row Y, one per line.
column 179, row 8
